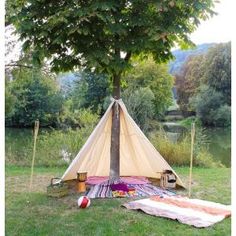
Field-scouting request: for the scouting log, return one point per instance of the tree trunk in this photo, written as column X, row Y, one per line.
column 115, row 131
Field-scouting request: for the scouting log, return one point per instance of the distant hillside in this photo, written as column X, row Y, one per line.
column 182, row 55
column 67, row 81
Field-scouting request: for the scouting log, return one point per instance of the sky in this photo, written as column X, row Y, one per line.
column 218, row 28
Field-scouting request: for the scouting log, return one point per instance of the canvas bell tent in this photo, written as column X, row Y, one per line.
column 138, row 157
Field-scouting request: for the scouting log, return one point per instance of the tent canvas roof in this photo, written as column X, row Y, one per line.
column 138, row 157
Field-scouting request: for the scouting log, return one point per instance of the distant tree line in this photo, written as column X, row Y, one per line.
column 32, row 94
column 204, row 86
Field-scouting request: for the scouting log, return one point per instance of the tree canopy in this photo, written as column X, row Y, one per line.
column 31, row 96
column 218, row 70
column 188, row 81
column 103, row 35
column 139, row 103
column 90, row 91
column 147, row 74
column 204, row 85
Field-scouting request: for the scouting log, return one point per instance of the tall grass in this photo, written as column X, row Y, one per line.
column 178, row 153
column 52, row 146
column 59, row 147
column 18, row 146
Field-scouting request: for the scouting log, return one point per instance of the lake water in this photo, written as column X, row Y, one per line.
column 220, row 144
column 19, row 140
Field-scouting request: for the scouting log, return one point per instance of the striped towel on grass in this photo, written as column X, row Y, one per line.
column 198, row 213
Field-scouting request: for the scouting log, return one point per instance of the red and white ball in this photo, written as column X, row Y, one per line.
column 84, row 202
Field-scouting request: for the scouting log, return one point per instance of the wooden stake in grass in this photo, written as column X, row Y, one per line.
column 36, row 129
column 191, row 158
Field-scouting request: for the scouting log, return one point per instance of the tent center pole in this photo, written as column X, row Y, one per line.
column 115, row 131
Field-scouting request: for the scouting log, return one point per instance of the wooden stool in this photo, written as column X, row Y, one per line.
column 81, row 187
column 81, row 178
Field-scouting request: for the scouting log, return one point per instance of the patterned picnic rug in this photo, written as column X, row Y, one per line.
column 93, row 180
column 103, row 190
column 193, row 212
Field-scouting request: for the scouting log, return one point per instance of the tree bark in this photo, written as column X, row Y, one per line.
column 115, row 131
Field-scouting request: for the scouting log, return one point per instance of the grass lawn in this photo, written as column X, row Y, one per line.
column 33, row 213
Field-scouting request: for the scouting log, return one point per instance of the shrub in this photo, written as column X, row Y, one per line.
column 174, row 153
column 140, row 106
column 57, row 147
column 178, row 153
column 76, row 118
column 210, row 107
column 205, row 159
column 222, row 116
column 15, row 139
column 32, row 95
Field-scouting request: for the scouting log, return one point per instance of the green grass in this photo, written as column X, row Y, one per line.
column 33, row 213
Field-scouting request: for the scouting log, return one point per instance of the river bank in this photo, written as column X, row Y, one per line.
column 19, row 142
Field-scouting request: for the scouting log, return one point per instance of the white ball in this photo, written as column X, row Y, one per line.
column 84, row 202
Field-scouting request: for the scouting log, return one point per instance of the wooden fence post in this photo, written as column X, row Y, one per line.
column 191, row 159
column 36, row 129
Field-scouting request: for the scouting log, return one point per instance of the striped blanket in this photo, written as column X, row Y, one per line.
column 141, row 190
column 93, row 180
column 194, row 212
